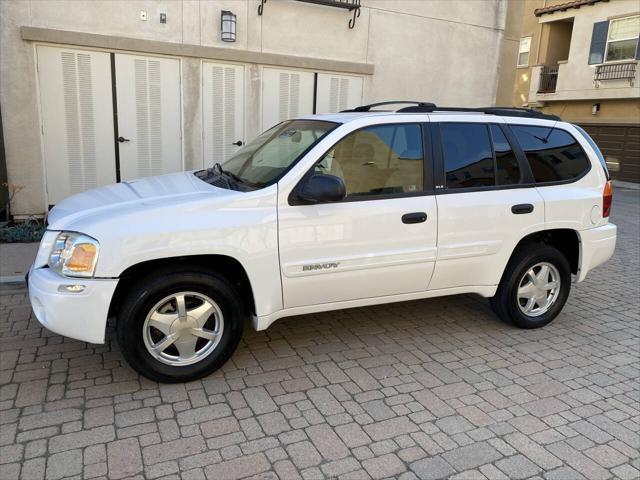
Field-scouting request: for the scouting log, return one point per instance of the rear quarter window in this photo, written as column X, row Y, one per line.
column 553, row 154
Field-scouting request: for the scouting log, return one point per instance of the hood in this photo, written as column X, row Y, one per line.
column 120, row 197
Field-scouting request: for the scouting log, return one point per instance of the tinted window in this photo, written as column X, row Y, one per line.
column 468, row 159
column 508, row 170
column 379, row 160
column 553, row 154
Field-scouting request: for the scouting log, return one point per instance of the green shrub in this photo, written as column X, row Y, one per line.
column 29, row 231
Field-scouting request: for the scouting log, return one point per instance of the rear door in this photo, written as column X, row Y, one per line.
column 565, row 178
column 380, row 240
column 486, row 201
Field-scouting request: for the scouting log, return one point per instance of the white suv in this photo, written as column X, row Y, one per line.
column 328, row 212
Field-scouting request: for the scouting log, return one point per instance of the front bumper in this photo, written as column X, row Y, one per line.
column 80, row 315
column 597, row 246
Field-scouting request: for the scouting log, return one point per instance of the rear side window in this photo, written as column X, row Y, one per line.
column 507, row 168
column 553, row 154
column 468, row 158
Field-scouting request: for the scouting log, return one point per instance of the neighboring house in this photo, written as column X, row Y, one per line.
column 104, row 91
column 579, row 59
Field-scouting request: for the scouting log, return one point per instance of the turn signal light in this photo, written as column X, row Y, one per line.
column 607, row 199
column 82, row 258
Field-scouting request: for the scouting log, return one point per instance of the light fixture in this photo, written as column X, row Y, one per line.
column 228, row 26
column 595, row 108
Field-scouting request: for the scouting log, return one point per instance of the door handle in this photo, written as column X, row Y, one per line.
column 522, row 208
column 416, row 217
column 122, row 139
column 238, row 143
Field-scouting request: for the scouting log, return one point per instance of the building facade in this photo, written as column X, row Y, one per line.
column 104, row 91
column 579, row 59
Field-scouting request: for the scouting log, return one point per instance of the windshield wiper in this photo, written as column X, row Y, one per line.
column 217, row 168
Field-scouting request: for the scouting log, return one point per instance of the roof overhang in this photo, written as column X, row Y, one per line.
column 562, row 7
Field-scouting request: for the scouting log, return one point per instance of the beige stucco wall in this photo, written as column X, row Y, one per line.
column 509, row 53
column 575, row 78
column 529, row 28
column 446, row 51
column 625, row 111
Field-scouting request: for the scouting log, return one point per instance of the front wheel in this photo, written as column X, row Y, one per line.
column 180, row 326
column 534, row 287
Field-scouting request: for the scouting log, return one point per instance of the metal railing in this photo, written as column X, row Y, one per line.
column 548, row 80
column 615, row 71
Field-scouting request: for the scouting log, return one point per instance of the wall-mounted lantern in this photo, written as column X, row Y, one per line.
column 228, row 26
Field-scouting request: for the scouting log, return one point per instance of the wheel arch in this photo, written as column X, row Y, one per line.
column 228, row 267
column 566, row 240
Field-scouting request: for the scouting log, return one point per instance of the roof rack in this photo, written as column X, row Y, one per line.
column 366, row 108
column 428, row 107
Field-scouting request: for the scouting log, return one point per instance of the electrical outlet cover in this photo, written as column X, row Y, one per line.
column 143, row 15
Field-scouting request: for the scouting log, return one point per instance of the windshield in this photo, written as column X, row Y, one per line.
column 270, row 155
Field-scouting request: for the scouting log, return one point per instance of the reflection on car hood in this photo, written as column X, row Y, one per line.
column 131, row 194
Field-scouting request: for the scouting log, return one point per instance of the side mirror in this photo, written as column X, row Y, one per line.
column 322, row 188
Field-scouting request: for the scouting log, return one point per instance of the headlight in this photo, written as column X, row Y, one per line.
column 74, row 255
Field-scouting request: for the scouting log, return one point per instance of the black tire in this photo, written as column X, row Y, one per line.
column 505, row 302
column 151, row 290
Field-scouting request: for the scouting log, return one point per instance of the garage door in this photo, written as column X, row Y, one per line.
column 620, row 145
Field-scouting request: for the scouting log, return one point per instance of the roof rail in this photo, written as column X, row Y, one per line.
column 500, row 111
column 366, row 108
column 428, row 107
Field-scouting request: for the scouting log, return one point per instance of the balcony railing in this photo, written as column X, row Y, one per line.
column 548, row 80
column 615, row 71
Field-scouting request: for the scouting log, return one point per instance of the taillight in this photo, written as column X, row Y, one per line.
column 607, row 199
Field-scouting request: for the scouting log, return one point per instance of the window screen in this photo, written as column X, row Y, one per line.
column 468, row 158
column 508, row 170
column 378, row 160
column 553, row 154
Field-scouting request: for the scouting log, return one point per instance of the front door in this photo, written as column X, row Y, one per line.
column 148, row 102
column 379, row 241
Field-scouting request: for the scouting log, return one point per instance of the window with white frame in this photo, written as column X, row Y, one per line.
column 622, row 39
column 523, row 51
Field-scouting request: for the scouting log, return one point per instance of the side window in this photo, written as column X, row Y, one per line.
column 507, row 168
column 468, row 158
column 553, row 154
column 378, row 160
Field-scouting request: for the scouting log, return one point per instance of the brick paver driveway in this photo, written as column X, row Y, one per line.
column 426, row 389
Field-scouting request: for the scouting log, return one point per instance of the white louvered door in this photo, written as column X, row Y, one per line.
column 149, row 115
column 222, row 111
column 338, row 92
column 285, row 94
column 77, row 120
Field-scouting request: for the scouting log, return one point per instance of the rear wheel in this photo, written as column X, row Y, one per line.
column 179, row 326
column 534, row 287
